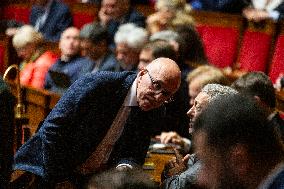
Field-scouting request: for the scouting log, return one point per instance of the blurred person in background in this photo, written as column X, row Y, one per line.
column 169, row 13
column 94, row 44
column 36, row 60
column 67, row 69
column 129, row 40
column 114, row 13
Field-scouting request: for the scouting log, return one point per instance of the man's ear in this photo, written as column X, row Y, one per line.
column 239, row 160
column 257, row 99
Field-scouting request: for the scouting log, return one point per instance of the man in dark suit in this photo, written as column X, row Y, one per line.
column 6, row 133
column 83, row 117
column 68, row 68
column 238, row 149
column 94, row 44
column 114, row 13
column 228, row 6
column 51, row 18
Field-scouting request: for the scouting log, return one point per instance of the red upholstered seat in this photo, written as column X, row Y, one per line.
column 2, row 58
column 254, row 51
column 81, row 18
column 277, row 65
column 220, row 43
column 17, row 12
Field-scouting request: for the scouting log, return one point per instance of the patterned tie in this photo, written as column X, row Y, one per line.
column 100, row 156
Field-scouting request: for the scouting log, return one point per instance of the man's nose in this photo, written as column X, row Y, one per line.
column 190, row 112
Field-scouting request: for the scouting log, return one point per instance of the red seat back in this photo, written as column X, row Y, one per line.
column 277, row 65
column 2, row 58
column 254, row 52
column 221, row 44
column 18, row 12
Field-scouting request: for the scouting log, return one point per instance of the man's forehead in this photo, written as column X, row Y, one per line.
column 71, row 32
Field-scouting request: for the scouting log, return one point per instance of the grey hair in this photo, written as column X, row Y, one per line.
column 166, row 35
column 215, row 91
column 26, row 35
column 87, row 30
column 135, row 37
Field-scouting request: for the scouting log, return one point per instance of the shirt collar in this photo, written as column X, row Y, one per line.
column 265, row 184
column 131, row 98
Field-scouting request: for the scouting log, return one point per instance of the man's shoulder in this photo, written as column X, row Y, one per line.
column 108, row 76
column 278, row 182
column 135, row 17
column 60, row 5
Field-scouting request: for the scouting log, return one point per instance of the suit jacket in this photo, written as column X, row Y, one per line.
column 58, row 19
column 109, row 63
column 186, row 179
column 79, row 122
column 280, row 9
column 230, row 6
column 278, row 182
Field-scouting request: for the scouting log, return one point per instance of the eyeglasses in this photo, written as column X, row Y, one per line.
column 157, row 87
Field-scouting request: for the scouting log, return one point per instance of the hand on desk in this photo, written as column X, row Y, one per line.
column 176, row 165
column 170, row 137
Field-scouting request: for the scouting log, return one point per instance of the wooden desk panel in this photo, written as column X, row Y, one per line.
column 159, row 161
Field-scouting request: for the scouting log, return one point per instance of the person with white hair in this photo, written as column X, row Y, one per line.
column 129, row 40
column 36, row 61
column 181, row 172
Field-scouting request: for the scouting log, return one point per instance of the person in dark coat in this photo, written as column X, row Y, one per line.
column 228, row 6
column 51, row 18
column 94, row 45
column 114, row 13
column 68, row 68
column 82, row 117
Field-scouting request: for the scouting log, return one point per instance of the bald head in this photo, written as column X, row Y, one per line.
column 157, row 83
column 69, row 43
column 168, row 71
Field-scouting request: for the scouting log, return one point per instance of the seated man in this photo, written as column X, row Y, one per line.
column 237, row 147
column 68, row 68
column 6, row 133
column 181, row 172
column 50, row 17
column 94, row 44
column 114, row 13
column 176, row 118
column 196, row 79
column 36, row 59
column 257, row 85
column 104, row 120
column 129, row 41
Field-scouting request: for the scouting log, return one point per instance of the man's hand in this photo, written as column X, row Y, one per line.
column 170, row 137
column 104, row 17
column 255, row 15
column 176, row 165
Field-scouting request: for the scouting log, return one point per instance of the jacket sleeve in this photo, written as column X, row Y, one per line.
column 186, row 179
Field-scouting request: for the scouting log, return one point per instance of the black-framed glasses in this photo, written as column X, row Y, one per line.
column 157, row 87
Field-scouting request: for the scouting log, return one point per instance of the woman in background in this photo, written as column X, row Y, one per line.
column 36, row 61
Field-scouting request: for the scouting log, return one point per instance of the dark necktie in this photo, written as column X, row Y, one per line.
column 100, row 156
